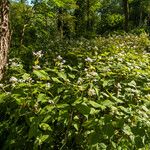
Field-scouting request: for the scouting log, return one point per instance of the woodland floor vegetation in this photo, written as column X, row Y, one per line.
column 79, row 94
column 75, row 75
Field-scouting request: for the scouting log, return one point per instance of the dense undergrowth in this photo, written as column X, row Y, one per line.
column 85, row 94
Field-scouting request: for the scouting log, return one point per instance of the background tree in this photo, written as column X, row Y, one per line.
column 139, row 12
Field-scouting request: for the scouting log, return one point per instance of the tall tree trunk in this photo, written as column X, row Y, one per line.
column 126, row 14
column 140, row 18
column 148, row 21
column 4, row 34
column 60, row 22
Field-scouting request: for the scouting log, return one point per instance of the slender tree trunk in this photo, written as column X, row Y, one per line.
column 4, row 34
column 88, row 15
column 22, row 34
column 60, row 22
column 140, row 18
column 126, row 14
column 148, row 21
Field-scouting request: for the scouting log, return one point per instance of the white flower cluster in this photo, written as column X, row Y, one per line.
column 88, row 59
column 36, row 67
column 1, row 85
column 59, row 61
column 13, row 79
column 48, row 85
column 80, row 80
column 91, row 74
column 38, row 54
column 59, row 57
column 91, row 92
column 14, row 64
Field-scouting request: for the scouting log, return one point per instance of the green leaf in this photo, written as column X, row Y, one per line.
column 76, row 126
column 132, row 84
column 62, row 75
column 41, row 74
column 43, row 138
column 115, row 98
column 105, row 83
column 45, row 127
column 96, row 90
column 42, row 98
column 71, row 76
column 107, row 103
column 127, row 130
column 103, row 146
column 96, row 105
column 139, row 142
column 59, row 3
column 26, row 76
column 94, row 138
column 39, row 140
column 108, row 129
column 56, row 80
column 83, row 109
column 94, row 111
column 2, row 97
column 33, row 131
column 62, row 106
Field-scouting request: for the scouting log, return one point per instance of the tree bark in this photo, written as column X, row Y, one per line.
column 126, row 14
column 4, row 35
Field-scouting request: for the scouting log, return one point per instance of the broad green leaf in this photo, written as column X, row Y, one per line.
column 108, row 129
column 83, row 109
column 59, row 3
column 71, row 76
column 94, row 138
column 26, row 76
column 127, row 130
column 126, row 110
column 41, row 74
column 42, row 98
column 107, row 103
column 115, row 98
column 44, row 138
column 41, row 139
column 62, row 106
column 96, row 90
column 94, row 111
column 33, row 131
column 96, row 105
column 2, row 97
column 56, row 80
column 105, row 83
column 45, row 127
column 89, row 124
column 62, row 75
column 139, row 142
column 132, row 84
column 76, row 126
column 103, row 146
